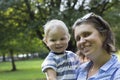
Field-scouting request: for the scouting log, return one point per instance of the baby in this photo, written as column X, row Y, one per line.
column 60, row 64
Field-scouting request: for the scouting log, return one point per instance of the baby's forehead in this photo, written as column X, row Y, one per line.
column 57, row 34
column 57, row 31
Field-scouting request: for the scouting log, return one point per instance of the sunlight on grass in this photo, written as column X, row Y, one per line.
column 118, row 54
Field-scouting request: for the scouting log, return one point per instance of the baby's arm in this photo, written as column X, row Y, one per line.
column 50, row 74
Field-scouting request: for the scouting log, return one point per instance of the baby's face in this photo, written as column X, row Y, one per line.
column 57, row 40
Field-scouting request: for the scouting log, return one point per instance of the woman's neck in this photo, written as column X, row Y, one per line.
column 98, row 62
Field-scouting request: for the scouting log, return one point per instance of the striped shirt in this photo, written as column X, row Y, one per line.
column 64, row 64
column 109, row 71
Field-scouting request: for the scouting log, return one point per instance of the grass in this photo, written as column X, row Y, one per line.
column 26, row 70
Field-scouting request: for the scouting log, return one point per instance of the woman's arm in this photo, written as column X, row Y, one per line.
column 50, row 74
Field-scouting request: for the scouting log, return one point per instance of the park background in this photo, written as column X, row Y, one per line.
column 21, row 31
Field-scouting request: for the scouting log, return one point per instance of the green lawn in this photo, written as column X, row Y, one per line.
column 26, row 70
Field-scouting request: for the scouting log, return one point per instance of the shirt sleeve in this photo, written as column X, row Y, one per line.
column 49, row 62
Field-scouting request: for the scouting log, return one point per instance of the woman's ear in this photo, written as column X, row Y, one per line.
column 69, row 36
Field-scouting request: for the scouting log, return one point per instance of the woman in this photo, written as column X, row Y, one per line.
column 95, row 39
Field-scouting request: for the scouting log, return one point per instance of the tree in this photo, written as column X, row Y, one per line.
column 16, row 32
column 21, row 21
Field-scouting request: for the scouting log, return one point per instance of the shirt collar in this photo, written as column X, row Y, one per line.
column 57, row 53
column 110, row 63
column 107, row 65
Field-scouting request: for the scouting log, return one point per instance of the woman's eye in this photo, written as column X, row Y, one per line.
column 86, row 34
column 62, row 38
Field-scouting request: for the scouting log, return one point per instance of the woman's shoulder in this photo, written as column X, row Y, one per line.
column 116, row 66
column 116, row 74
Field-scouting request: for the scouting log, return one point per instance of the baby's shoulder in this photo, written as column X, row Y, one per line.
column 70, row 52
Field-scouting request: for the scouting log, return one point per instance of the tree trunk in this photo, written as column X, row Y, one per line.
column 12, row 61
column 3, row 59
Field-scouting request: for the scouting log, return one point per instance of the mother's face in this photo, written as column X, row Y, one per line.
column 88, row 39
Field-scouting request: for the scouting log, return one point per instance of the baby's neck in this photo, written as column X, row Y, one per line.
column 58, row 53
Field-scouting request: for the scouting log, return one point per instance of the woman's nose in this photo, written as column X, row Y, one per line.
column 81, row 43
column 82, row 40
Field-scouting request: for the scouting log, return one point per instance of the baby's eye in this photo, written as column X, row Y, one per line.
column 53, row 40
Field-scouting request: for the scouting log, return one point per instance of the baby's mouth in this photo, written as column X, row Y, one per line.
column 59, row 47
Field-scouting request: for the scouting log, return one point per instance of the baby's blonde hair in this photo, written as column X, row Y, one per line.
column 54, row 23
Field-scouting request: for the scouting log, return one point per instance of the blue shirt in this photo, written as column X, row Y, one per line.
column 64, row 64
column 109, row 71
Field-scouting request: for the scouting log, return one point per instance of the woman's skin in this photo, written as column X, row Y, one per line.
column 89, row 41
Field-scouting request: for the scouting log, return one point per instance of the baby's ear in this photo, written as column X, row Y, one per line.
column 44, row 40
